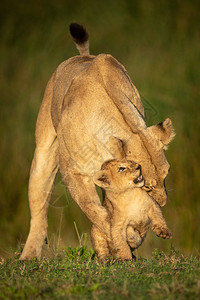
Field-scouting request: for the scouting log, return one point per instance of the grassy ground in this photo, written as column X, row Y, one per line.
column 77, row 274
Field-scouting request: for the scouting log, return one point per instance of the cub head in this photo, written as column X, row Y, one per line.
column 119, row 175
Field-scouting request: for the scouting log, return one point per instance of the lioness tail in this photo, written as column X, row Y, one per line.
column 80, row 37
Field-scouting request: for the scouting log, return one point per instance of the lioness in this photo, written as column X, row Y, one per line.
column 129, row 207
column 87, row 100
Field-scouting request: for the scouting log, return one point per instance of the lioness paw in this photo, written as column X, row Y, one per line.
column 162, row 232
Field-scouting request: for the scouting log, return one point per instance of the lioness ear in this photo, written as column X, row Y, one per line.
column 116, row 148
column 164, row 132
column 101, row 179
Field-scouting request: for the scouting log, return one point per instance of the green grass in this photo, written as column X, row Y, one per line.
column 77, row 274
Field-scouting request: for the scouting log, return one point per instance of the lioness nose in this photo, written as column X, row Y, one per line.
column 138, row 167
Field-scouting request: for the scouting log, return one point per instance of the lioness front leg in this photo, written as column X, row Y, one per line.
column 159, row 225
column 99, row 243
column 118, row 234
column 83, row 191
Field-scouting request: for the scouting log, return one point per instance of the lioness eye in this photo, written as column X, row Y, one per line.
column 121, row 169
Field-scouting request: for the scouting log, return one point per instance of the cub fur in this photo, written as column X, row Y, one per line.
column 131, row 210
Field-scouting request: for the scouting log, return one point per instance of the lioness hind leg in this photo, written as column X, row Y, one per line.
column 99, row 243
column 43, row 171
column 42, row 175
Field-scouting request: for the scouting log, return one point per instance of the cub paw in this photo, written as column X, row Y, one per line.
column 124, row 256
column 162, row 232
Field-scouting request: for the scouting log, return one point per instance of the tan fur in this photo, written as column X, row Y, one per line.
column 87, row 100
column 131, row 210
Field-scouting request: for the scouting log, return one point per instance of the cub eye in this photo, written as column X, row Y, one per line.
column 121, row 169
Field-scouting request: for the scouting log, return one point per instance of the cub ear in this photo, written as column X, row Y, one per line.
column 101, row 179
column 116, row 148
column 164, row 132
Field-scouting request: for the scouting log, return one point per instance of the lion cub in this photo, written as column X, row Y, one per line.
column 131, row 210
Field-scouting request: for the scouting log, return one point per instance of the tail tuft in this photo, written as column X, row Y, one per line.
column 79, row 33
column 80, row 37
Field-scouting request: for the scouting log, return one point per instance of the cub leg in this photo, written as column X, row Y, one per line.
column 42, row 175
column 99, row 243
column 159, row 225
column 133, row 238
column 118, row 234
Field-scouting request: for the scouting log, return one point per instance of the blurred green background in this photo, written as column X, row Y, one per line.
column 159, row 44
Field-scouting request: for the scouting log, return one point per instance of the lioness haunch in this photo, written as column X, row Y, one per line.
column 131, row 210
